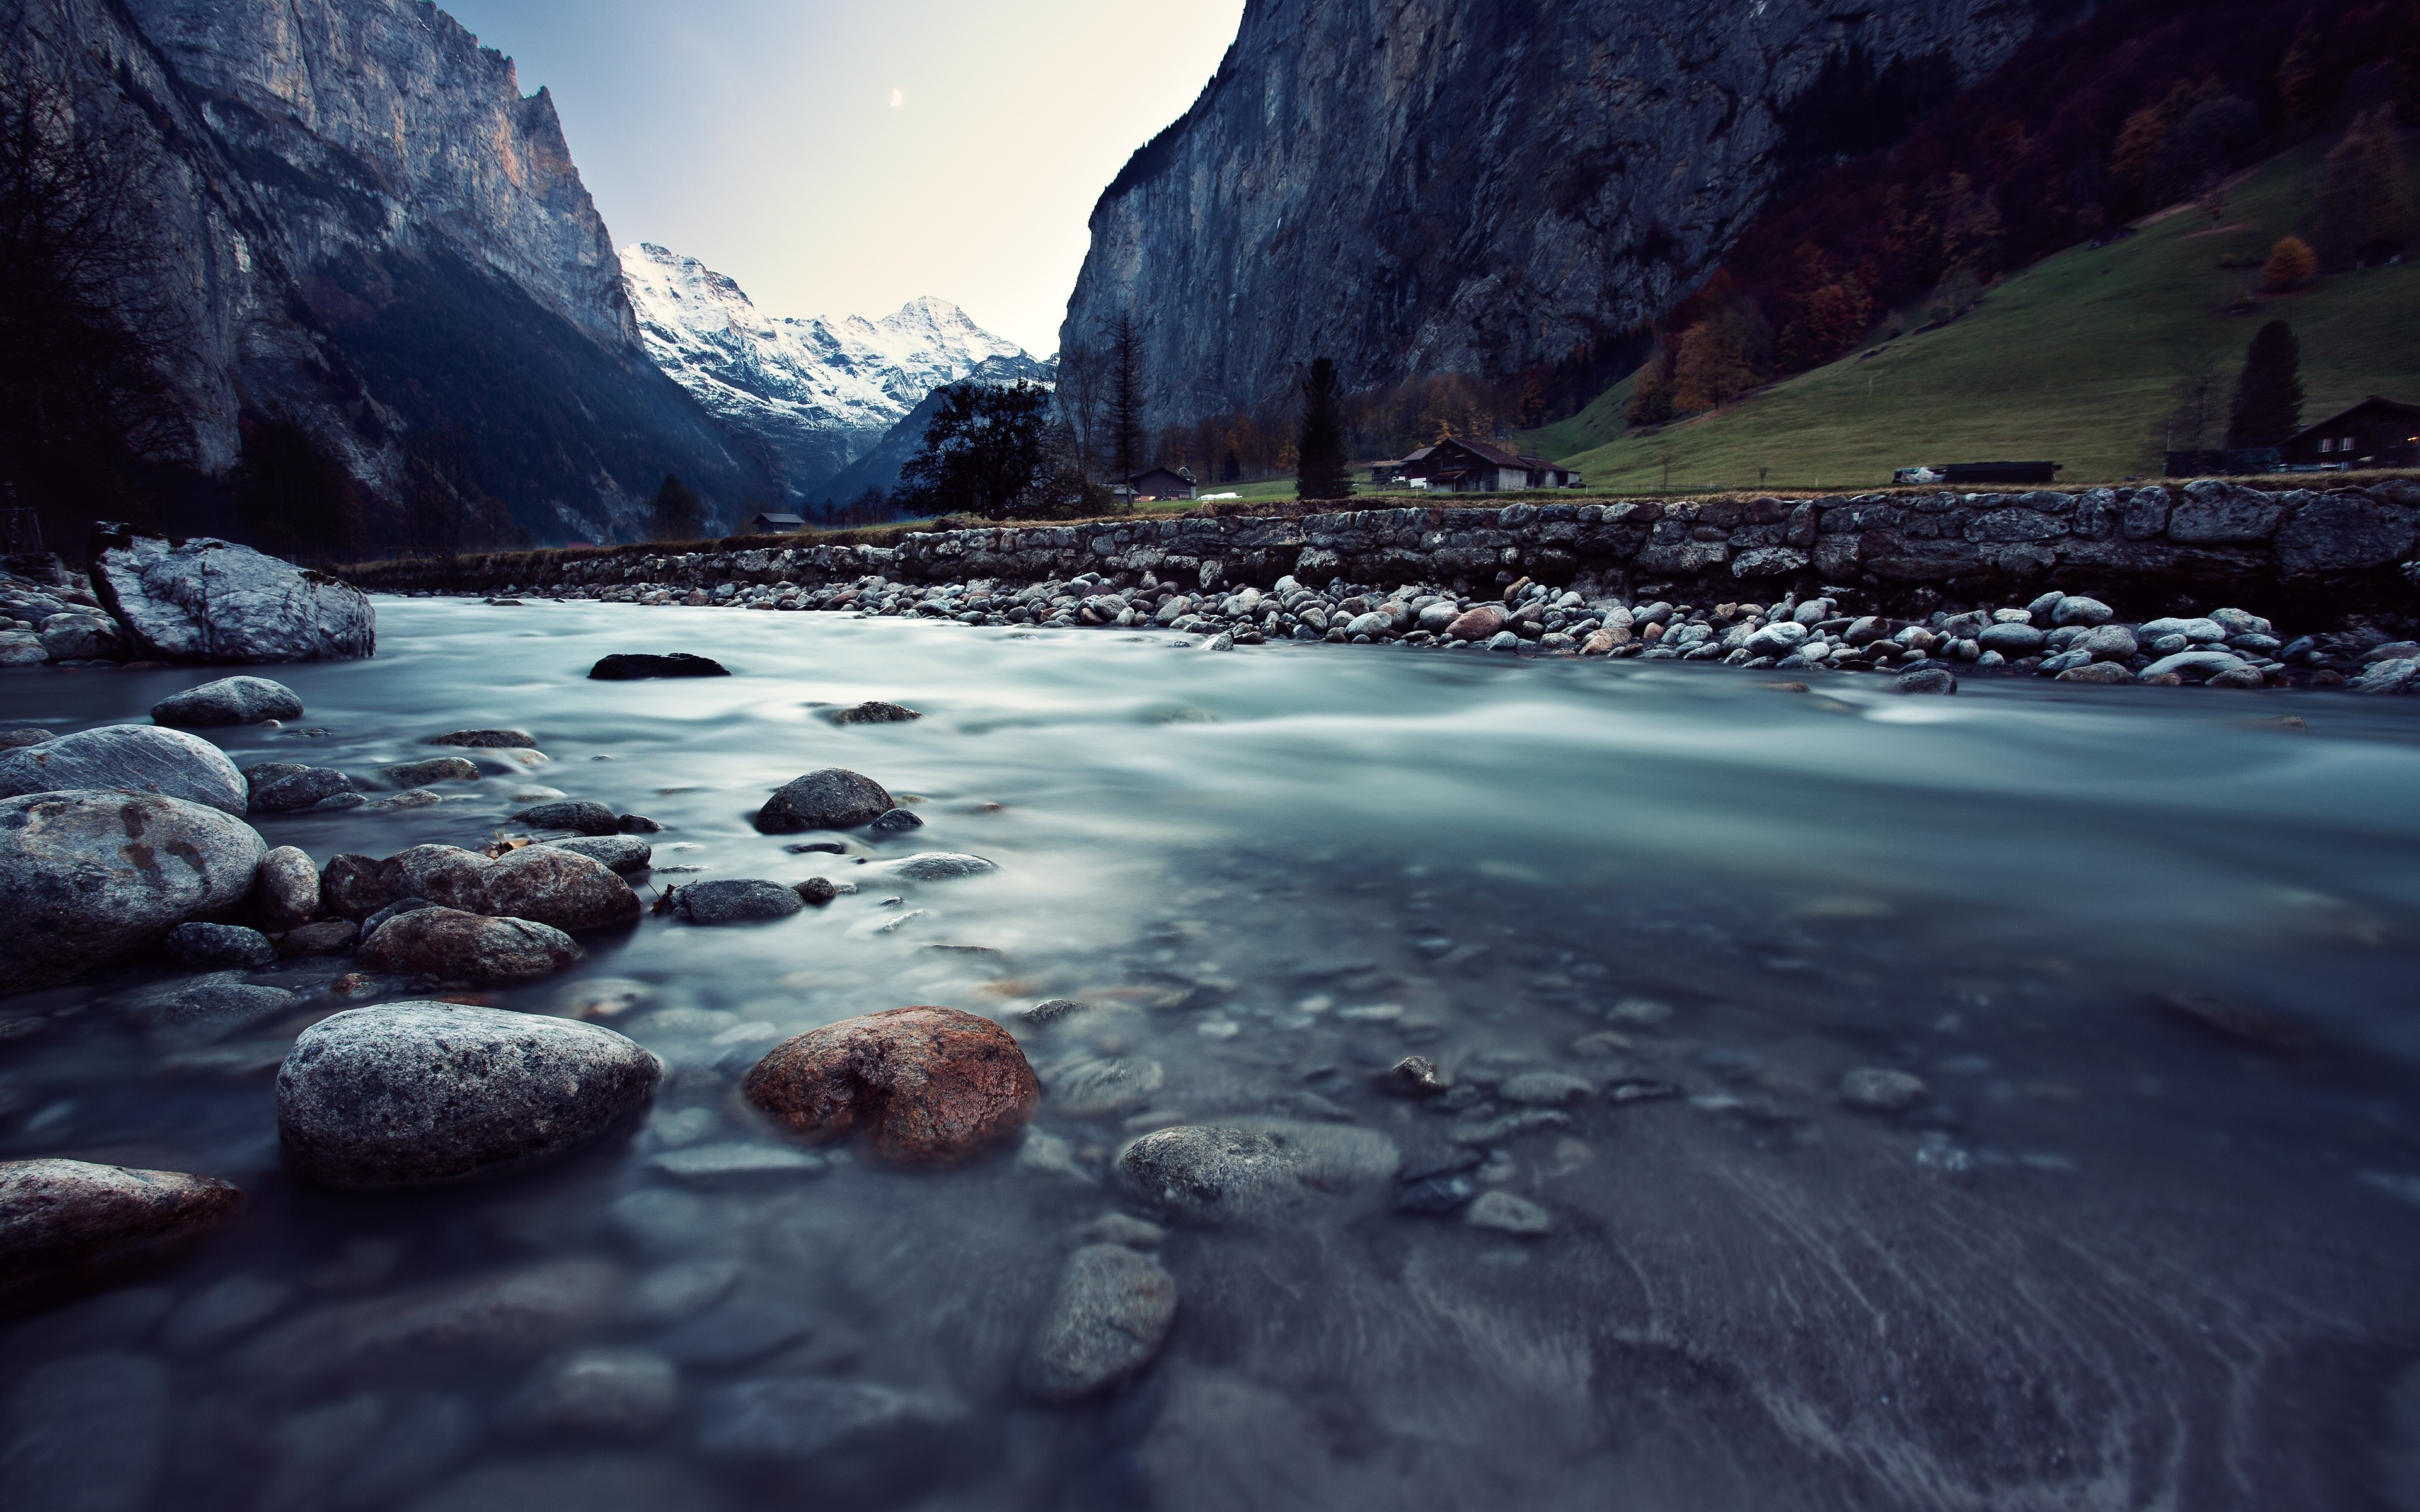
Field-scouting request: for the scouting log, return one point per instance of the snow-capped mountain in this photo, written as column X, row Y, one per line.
column 809, row 395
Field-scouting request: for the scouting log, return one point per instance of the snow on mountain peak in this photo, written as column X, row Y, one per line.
column 816, row 393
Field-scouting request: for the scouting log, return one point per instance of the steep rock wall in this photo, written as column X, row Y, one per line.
column 1423, row 186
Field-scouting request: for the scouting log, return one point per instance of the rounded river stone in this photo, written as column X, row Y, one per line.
column 832, row 798
column 87, row 878
column 449, row 943
column 128, row 758
column 409, row 1094
column 229, row 701
column 64, row 1219
column 930, row 1085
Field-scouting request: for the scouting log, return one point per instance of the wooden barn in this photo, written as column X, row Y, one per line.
column 772, row 524
column 1159, row 484
column 1477, row 466
column 2375, row 433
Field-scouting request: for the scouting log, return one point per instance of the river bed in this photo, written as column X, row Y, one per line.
column 2111, row 1257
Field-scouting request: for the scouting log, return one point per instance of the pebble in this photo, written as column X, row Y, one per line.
column 415, row 1093
column 583, row 815
column 486, row 739
column 1111, row 1312
column 938, row 866
column 1503, row 1212
column 1224, row 1173
column 435, row 769
column 620, row 852
column 873, row 711
column 286, row 888
column 1093, row 1087
column 510, row 1315
column 1875, row 1089
column 1925, row 680
column 1050, row 1011
column 1413, row 1076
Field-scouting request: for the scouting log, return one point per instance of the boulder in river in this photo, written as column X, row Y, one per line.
column 209, row 600
column 1249, row 1171
column 873, row 711
column 634, row 666
column 450, row 943
column 1926, row 680
column 445, row 874
column 623, row 853
column 1111, row 1314
column 736, row 900
column 486, row 739
column 412, row 1094
column 67, row 1223
column 285, row 792
column 128, row 758
column 554, row 886
column 229, row 701
column 354, row 886
column 286, row 888
column 435, row 769
column 929, row 1085
column 83, row 635
column 218, row 946
column 87, row 878
column 941, row 866
column 578, row 814
column 832, row 798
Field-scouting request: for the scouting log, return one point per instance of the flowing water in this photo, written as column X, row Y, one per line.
column 2114, row 1260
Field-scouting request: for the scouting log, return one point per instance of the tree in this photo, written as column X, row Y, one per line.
column 1716, row 362
column 1651, row 391
column 984, row 451
column 678, row 514
column 1230, row 470
column 2364, row 196
column 2194, row 399
column 1321, row 472
column 2268, row 392
column 1125, row 397
column 294, row 497
column 2292, row 264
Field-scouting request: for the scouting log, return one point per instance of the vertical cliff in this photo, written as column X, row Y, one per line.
column 1423, row 186
column 366, row 226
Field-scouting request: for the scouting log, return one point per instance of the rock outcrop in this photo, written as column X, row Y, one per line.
column 1434, row 186
column 209, row 600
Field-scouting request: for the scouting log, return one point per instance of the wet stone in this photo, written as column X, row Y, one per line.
column 67, row 1225
column 230, row 701
column 1111, row 1314
column 896, row 820
column 1413, row 1076
column 832, row 798
column 930, row 1086
column 451, row 944
column 872, row 711
column 578, row 814
column 1875, row 1090
column 435, row 769
column 218, row 947
column 1050, row 1011
column 605, row 1392
column 802, row 1419
column 128, row 758
column 620, row 852
column 624, row 667
column 1507, row 1213
column 486, row 739
column 736, row 901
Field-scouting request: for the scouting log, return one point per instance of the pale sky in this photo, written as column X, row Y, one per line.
column 838, row 157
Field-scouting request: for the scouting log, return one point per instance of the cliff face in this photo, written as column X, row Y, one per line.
column 811, row 395
column 367, row 228
column 1423, row 186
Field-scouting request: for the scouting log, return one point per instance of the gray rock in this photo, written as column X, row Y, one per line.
column 14, row 740
column 402, row 906
column 1875, row 1090
column 66, row 1224
column 2075, row 609
column 2098, row 671
column 2010, row 638
column 2236, row 621
column 2198, row 628
column 291, row 793
column 832, row 798
column 550, row 885
column 940, row 866
column 85, row 1434
column 229, row 701
column 82, row 635
column 580, row 814
column 447, row 876
column 2215, row 512
column 1925, row 680
column 286, row 888
column 1501, row 1210
column 804, row 1419
column 621, row 853
column 1091, row 1087
column 218, row 946
column 2345, row 532
column 409, row 1094
column 486, row 739
column 515, row 1315
column 88, row 878
column 128, row 758
column 22, row 648
column 608, row 1391
column 1050, row 1011
column 1250, row 1170
column 208, row 1008
column 1776, row 641
column 2395, row 677
column 435, row 769
column 2109, row 642
column 1545, row 1089
column 1110, row 1316
column 736, row 901
column 452, row 944
column 896, row 820
column 209, row 600
column 2193, row 665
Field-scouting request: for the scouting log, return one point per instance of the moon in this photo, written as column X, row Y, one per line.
column 898, row 97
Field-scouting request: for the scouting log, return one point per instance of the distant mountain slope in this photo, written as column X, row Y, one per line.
column 809, row 395
column 879, row 467
column 366, row 227
column 2071, row 361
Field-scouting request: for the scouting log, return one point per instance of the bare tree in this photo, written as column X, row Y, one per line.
column 1078, row 394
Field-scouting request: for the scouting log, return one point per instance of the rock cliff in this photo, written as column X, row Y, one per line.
column 365, row 226
column 1423, row 186
column 810, row 395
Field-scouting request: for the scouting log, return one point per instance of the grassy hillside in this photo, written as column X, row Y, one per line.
column 2072, row 359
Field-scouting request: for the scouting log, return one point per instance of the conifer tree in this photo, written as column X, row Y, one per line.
column 2269, row 394
column 1321, row 472
column 1127, row 404
column 678, row 514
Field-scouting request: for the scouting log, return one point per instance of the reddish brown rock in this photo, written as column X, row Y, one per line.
column 447, row 942
column 561, row 887
column 447, row 876
column 929, row 1085
column 1475, row 622
column 328, row 937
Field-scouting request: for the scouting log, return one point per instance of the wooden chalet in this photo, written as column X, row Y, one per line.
column 767, row 523
column 1159, row 484
column 1474, row 467
column 2375, row 433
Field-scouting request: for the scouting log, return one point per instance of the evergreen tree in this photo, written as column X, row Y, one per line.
column 1126, row 406
column 988, row 451
column 1650, row 391
column 1320, row 453
column 2269, row 394
column 679, row 513
column 2365, row 197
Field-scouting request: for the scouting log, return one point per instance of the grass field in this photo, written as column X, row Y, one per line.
column 2070, row 360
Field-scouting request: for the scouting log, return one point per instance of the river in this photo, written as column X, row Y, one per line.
column 2113, row 1258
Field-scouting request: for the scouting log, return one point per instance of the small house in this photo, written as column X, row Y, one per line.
column 767, row 524
column 1479, row 467
column 1159, row 484
column 2375, row 433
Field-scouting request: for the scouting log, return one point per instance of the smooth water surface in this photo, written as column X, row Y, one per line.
column 2115, row 1259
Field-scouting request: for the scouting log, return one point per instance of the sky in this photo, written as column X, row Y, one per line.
column 838, row 158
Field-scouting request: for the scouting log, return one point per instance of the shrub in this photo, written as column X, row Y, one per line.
column 2292, row 264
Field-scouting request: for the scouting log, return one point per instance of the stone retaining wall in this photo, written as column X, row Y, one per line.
column 2297, row 552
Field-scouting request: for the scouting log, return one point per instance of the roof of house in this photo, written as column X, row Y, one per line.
column 1496, row 455
column 772, row 518
column 1159, row 473
column 2408, row 411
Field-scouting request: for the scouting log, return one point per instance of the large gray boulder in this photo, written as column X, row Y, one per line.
column 89, row 877
column 210, row 600
column 128, row 758
column 2345, row 532
column 832, row 798
column 453, row 945
column 229, row 701
column 561, row 887
column 412, row 1094
column 63, row 1222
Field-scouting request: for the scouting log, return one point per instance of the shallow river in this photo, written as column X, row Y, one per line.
column 2114, row 1260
